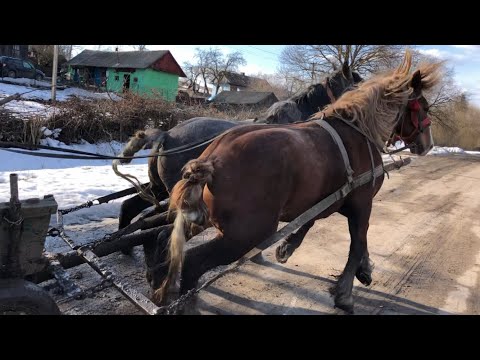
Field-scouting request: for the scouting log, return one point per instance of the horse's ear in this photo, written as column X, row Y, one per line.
column 347, row 72
column 416, row 82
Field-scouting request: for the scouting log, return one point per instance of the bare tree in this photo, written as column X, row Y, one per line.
column 43, row 55
column 140, row 47
column 204, row 63
column 67, row 50
column 309, row 63
column 193, row 72
column 220, row 65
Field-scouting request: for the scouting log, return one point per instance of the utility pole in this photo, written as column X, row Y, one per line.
column 313, row 71
column 54, row 73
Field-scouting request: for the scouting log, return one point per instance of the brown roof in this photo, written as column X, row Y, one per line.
column 126, row 59
column 243, row 97
column 243, row 80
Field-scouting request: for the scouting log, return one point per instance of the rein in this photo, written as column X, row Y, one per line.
column 93, row 156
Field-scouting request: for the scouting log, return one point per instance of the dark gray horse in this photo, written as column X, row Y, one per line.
column 300, row 107
column 166, row 172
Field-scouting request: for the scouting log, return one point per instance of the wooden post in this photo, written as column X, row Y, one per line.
column 54, row 73
column 15, row 222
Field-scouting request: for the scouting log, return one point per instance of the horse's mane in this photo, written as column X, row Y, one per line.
column 308, row 93
column 375, row 103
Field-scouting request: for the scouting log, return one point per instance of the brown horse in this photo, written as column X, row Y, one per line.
column 252, row 178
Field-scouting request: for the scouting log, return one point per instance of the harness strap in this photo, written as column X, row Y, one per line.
column 294, row 225
column 373, row 163
column 339, row 142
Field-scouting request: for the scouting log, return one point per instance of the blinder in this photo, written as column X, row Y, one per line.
column 418, row 137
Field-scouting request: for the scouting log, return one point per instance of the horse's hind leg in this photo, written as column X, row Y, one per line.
column 291, row 243
column 134, row 206
column 131, row 208
column 358, row 260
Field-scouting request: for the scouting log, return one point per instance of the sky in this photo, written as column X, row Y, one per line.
column 465, row 59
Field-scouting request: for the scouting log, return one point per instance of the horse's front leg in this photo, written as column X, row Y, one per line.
column 358, row 260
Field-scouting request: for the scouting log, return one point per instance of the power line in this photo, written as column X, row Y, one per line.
column 250, row 52
column 270, row 52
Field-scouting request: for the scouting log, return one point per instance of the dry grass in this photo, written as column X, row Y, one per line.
column 106, row 120
column 464, row 130
column 25, row 130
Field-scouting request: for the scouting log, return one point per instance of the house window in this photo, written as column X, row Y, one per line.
column 117, row 78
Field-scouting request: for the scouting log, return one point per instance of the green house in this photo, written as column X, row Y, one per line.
column 149, row 73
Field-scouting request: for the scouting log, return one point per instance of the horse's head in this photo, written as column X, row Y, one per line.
column 413, row 126
column 342, row 80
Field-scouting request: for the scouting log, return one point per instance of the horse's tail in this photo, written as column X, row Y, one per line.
column 143, row 139
column 186, row 199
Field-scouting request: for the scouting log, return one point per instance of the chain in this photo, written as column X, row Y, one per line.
column 75, row 208
column 13, row 223
column 178, row 304
column 53, row 232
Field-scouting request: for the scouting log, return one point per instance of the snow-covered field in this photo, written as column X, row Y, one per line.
column 73, row 182
column 27, row 106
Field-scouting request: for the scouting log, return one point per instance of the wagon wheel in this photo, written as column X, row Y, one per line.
column 20, row 297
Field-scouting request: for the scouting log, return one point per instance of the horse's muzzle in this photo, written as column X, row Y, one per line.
column 423, row 143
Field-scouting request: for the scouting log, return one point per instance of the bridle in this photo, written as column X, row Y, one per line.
column 418, row 126
column 328, row 87
column 329, row 91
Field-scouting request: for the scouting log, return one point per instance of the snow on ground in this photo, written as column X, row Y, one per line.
column 438, row 150
column 45, row 94
column 28, row 82
column 18, row 162
column 73, row 182
column 28, row 107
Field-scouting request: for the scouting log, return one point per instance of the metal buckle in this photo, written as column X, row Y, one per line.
column 345, row 190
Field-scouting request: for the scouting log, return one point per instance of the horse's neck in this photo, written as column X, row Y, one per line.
column 310, row 105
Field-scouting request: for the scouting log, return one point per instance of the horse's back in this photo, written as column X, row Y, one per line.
column 197, row 129
column 192, row 131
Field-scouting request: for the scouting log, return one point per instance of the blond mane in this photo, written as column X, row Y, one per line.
column 375, row 103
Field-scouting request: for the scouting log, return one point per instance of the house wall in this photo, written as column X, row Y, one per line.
column 115, row 79
column 222, row 87
column 145, row 82
column 158, row 82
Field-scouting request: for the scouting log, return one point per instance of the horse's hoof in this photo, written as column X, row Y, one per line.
column 364, row 278
column 345, row 303
column 148, row 276
column 126, row 251
column 283, row 252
